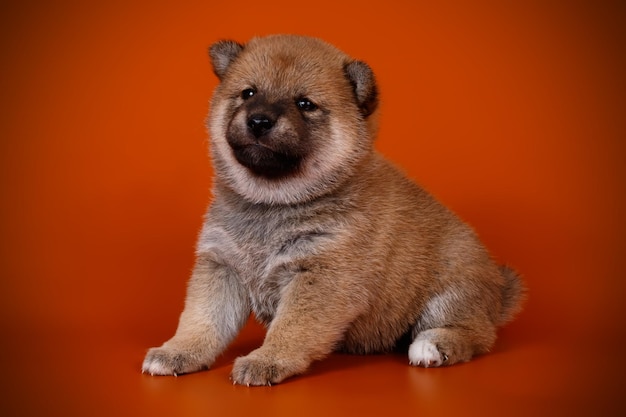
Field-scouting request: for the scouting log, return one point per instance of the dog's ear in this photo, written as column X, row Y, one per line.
column 222, row 54
column 363, row 82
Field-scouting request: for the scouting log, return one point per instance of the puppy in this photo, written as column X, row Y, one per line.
column 310, row 229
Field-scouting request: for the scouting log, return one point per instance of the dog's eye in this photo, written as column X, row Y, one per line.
column 247, row 93
column 305, row 104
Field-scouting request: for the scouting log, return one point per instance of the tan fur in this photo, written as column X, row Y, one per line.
column 318, row 235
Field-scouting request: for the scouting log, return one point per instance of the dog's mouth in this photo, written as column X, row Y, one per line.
column 264, row 161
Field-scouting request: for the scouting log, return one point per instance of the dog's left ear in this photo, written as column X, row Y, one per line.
column 363, row 82
column 222, row 54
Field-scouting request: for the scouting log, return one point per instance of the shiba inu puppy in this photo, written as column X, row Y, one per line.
column 314, row 232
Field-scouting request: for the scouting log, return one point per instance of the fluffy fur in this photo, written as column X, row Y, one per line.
column 318, row 235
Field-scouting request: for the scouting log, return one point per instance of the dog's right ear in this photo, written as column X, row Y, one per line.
column 222, row 54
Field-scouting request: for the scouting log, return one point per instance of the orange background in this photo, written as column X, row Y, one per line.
column 512, row 115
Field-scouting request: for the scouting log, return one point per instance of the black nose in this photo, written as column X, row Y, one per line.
column 259, row 124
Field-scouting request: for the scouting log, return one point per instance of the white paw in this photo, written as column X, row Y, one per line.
column 167, row 361
column 424, row 353
column 156, row 368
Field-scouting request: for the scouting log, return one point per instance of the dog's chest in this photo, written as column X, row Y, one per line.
column 266, row 251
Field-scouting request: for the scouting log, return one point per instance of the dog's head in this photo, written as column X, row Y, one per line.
column 289, row 119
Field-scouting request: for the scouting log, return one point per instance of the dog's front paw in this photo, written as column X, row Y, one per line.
column 170, row 361
column 260, row 369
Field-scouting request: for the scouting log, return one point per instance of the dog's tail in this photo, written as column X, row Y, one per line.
column 513, row 294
